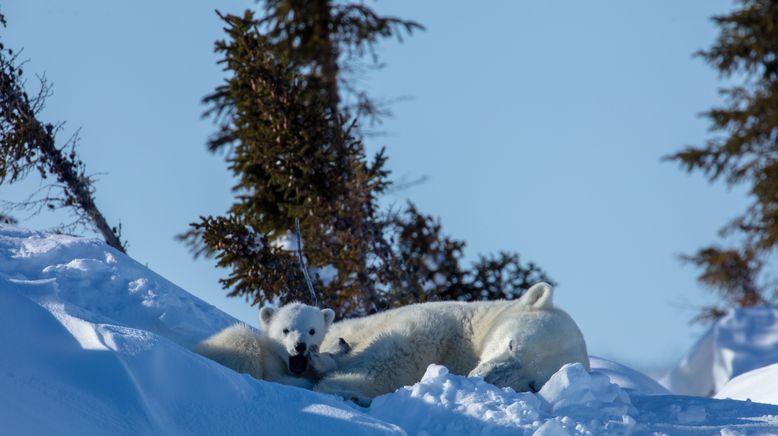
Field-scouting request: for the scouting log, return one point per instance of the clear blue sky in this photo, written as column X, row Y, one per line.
column 540, row 127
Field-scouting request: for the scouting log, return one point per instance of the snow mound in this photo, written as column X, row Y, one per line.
column 760, row 385
column 627, row 378
column 443, row 403
column 573, row 401
column 574, row 391
column 97, row 283
column 69, row 376
column 743, row 340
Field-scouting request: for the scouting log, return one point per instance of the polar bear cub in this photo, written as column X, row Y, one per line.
column 284, row 351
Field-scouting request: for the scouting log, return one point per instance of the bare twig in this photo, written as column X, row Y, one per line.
column 311, row 291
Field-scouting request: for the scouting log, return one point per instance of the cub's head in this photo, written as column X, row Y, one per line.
column 293, row 329
column 530, row 342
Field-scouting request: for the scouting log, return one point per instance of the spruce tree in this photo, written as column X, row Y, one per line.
column 742, row 151
column 287, row 119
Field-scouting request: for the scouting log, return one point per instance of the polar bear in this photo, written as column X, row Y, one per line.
column 517, row 344
column 282, row 350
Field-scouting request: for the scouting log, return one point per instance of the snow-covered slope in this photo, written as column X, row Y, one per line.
column 100, row 284
column 94, row 343
column 743, row 340
column 60, row 374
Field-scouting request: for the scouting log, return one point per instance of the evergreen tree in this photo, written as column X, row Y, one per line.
column 743, row 151
column 434, row 261
column 292, row 141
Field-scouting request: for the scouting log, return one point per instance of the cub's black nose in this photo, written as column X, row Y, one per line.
column 300, row 347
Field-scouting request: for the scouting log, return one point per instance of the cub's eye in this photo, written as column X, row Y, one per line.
column 286, row 331
column 312, row 332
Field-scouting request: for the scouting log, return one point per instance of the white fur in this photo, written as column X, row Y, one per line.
column 237, row 347
column 517, row 344
column 323, row 363
column 265, row 354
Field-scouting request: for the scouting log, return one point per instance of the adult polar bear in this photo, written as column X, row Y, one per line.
column 517, row 344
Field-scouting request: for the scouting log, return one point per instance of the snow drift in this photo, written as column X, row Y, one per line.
column 744, row 340
column 760, row 385
column 94, row 343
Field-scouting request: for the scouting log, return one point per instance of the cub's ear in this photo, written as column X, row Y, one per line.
column 539, row 296
column 265, row 314
column 329, row 316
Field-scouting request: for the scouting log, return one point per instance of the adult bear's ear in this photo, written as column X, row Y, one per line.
column 539, row 296
column 265, row 314
column 329, row 316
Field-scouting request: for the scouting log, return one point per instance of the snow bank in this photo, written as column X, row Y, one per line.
column 627, row 378
column 743, row 340
column 99, row 283
column 94, row 343
column 572, row 402
column 760, row 385
column 69, row 376
column 443, row 403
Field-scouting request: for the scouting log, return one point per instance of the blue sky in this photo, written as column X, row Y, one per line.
column 539, row 126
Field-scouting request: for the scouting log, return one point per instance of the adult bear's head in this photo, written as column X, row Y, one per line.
column 529, row 342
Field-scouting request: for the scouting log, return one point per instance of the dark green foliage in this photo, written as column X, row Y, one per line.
column 296, row 153
column 432, row 258
column 435, row 262
column 236, row 243
column 504, row 277
column 27, row 144
column 744, row 150
column 317, row 34
column 732, row 274
column 294, row 159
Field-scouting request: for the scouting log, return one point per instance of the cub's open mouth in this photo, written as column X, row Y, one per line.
column 298, row 364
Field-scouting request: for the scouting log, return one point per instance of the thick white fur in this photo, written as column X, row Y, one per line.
column 265, row 354
column 238, row 347
column 517, row 344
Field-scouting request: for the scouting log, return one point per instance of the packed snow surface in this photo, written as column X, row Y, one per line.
column 743, row 340
column 95, row 343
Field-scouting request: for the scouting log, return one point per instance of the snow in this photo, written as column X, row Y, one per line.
column 573, row 400
column 743, row 340
column 100, row 283
column 627, row 378
column 95, row 343
column 760, row 385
